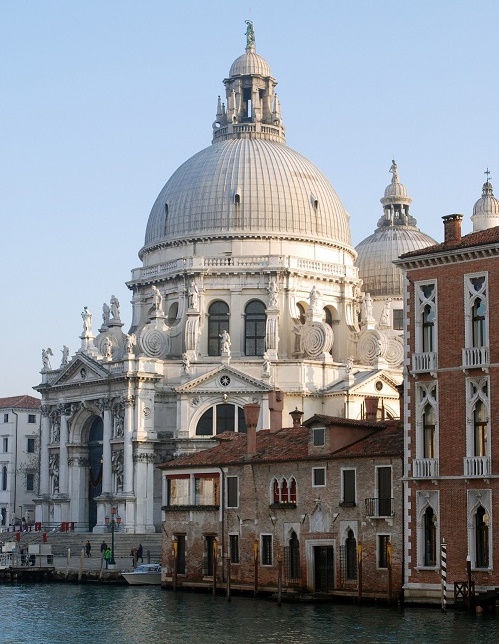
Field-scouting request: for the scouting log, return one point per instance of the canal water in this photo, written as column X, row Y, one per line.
column 88, row 614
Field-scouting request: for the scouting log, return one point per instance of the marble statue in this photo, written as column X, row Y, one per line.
column 266, row 364
column 106, row 312
column 87, row 321
column 115, row 307
column 193, row 295
column 187, row 362
column 314, row 298
column 130, row 342
column 368, row 307
column 225, row 341
column 45, row 358
column 157, row 298
column 250, row 34
column 384, row 320
column 273, row 290
column 108, row 348
column 65, row 356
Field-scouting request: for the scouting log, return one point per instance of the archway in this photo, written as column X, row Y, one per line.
column 95, row 437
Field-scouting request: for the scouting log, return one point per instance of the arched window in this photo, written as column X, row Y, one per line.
column 430, row 538
column 218, row 321
column 292, row 491
column 292, row 558
column 301, row 313
column 172, row 313
column 227, row 418
column 254, row 329
column 429, row 450
column 428, row 329
column 478, row 323
column 351, row 555
column 482, row 538
column 480, row 429
column 276, row 496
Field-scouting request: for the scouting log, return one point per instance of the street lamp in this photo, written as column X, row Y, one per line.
column 111, row 524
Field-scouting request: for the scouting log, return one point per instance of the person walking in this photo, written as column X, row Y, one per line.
column 107, row 557
column 88, row 548
column 103, row 547
column 140, row 554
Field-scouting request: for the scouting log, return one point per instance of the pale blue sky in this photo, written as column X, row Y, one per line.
column 103, row 99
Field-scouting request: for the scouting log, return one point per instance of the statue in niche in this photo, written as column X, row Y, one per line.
column 273, row 290
column 384, row 320
column 314, row 298
column 368, row 307
column 266, row 365
column 54, row 472
column 45, row 358
column 157, row 298
column 65, row 356
column 87, row 321
column 117, row 466
column 115, row 308
column 106, row 312
column 187, row 362
column 193, row 295
column 225, row 341
column 108, row 348
column 130, row 342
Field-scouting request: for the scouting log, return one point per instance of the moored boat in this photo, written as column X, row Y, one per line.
column 145, row 574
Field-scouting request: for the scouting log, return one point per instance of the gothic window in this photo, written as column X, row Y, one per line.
column 254, row 329
column 476, row 314
column 478, row 447
column 430, row 537
column 480, row 429
column 218, row 321
column 283, row 490
column 429, row 432
column 427, row 421
column 426, row 339
column 481, row 538
column 227, row 418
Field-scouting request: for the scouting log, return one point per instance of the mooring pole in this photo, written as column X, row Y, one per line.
column 443, row 574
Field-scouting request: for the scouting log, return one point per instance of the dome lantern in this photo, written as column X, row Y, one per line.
column 486, row 209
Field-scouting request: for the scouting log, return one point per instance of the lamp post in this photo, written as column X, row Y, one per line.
column 111, row 524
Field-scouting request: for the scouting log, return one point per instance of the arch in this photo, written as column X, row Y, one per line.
column 430, row 537
column 351, row 556
column 172, row 313
column 95, row 439
column 224, row 417
column 255, row 320
column 292, row 558
column 301, row 308
column 218, row 321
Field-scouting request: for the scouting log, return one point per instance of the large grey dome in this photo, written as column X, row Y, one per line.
column 248, row 187
column 397, row 233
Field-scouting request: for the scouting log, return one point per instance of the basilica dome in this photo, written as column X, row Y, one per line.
column 397, row 233
column 248, row 183
column 486, row 209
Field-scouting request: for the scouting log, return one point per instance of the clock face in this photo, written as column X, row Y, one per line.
column 225, row 381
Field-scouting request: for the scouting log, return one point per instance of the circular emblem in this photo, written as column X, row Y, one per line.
column 379, row 385
column 225, row 381
column 83, row 373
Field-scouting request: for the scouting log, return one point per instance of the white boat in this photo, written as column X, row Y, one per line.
column 145, row 574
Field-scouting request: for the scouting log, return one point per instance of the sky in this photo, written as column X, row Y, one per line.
column 103, row 100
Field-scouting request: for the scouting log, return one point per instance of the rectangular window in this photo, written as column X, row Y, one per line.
column 398, row 319
column 30, row 481
column 178, row 491
column 234, row 548
column 319, row 436
column 206, row 490
column 232, row 492
column 383, row 541
column 266, row 550
column 318, row 477
column 31, row 418
column 30, row 448
column 384, row 491
column 6, row 418
column 348, row 486
column 5, row 444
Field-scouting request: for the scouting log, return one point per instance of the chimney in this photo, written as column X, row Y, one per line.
column 371, row 403
column 452, row 228
column 275, row 407
column 296, row 416
column 251, row 413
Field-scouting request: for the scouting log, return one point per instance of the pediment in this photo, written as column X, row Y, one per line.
column 82, row 369
column 224, row 378
column 377, row 382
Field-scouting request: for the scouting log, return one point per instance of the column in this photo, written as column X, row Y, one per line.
column 44, row 452
column 63, row 452
column 106, row 447
column 128, row 445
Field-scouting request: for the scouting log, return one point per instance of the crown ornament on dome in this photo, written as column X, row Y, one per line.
column 250, row 36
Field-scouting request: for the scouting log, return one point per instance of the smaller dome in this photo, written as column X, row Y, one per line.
column 250, row 63
column 395, row 190
column 486, row 209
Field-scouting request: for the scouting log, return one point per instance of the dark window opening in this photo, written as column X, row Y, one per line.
column 218, row 321
column 254, row 329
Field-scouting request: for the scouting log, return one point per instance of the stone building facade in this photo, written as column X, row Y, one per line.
column 322, row 501
column 452, row 404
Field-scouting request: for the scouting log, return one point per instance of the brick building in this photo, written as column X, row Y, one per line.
column 311, row 496
column 452, row 405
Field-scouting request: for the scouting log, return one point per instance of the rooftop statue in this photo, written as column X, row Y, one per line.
column 250, row 34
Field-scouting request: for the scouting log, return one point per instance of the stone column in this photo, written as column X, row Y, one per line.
column 106, row 446
column 44, row 453
column 63, row 452
column 128, row 445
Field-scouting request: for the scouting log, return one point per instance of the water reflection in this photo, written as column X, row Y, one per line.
column 64, row 613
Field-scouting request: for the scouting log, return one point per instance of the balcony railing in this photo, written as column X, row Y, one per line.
column 378, row 508
column 425, row 468
column 475, row 357
column 424, row 362
column 476, row 466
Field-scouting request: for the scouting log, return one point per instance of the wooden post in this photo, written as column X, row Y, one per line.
column 359, row 565
column 279, row 580
column 215, row 553
column 255, row 562
column 174, row 552
column 228, row 578
column 389, row 562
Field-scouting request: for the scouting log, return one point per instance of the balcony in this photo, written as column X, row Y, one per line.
column 477, row 466
column 379, row 508
column 424, row 362
column 475, row 357
column 425, row 468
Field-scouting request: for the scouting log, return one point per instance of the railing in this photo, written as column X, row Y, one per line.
column 425, row 468
column 424, row 362
column 477, row 466
column 475, row 357
column 378, row 508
